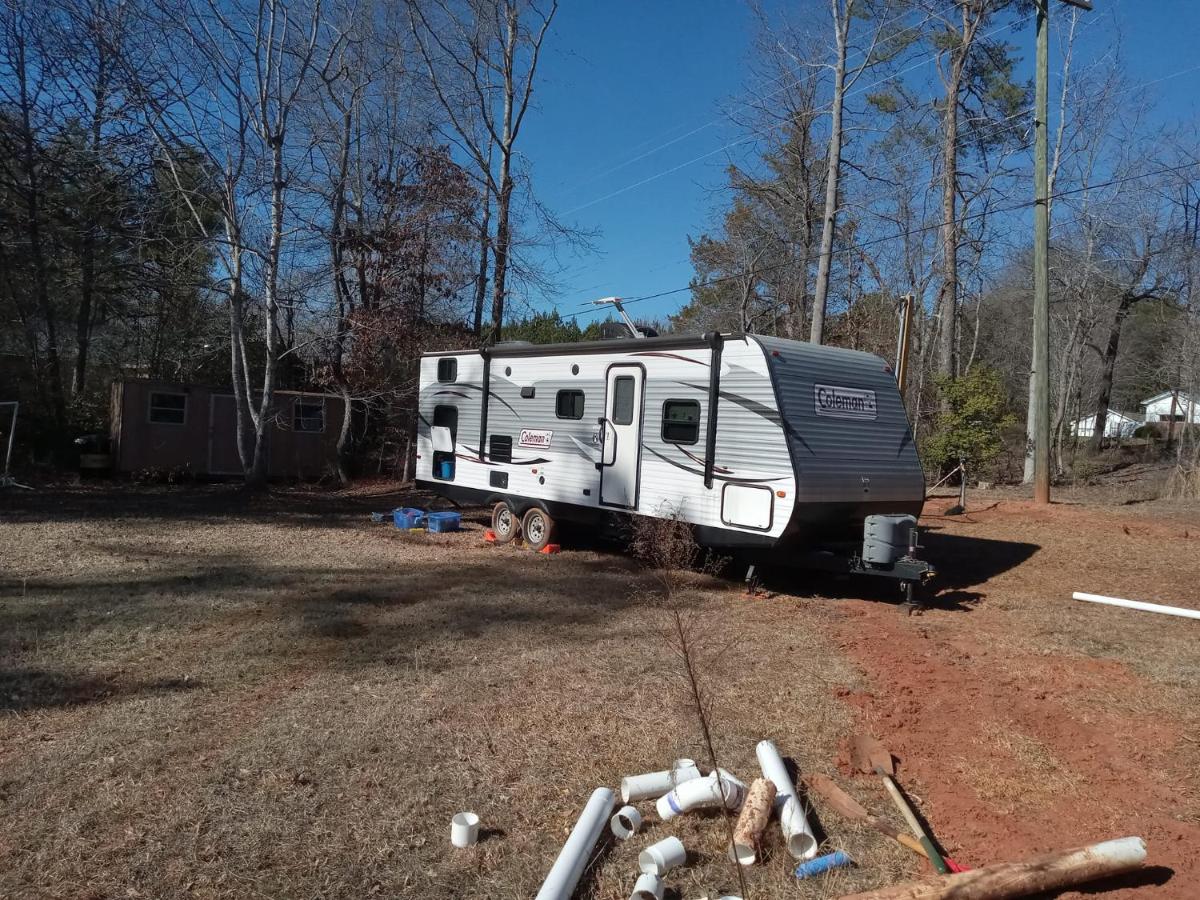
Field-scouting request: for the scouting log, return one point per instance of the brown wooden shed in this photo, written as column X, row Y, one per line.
column 168, row 425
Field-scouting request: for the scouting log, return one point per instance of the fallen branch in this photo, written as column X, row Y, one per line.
column 1001, row 881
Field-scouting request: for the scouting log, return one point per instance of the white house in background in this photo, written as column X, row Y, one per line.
column 1116, row 424
column 1158, row 407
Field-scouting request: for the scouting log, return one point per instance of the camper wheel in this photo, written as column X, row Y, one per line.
column 505, row 522
column 539, row 528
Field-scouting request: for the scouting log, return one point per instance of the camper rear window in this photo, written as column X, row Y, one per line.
column 168, row 409
column 569, row 405
column 681, row 421
column 308, row 416
column 447, row 369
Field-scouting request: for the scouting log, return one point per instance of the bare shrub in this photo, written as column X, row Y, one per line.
column 668, row 547
column 1182, row 484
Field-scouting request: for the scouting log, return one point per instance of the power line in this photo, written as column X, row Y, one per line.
column 925, row 60
column 974, row 137
column 727, row 116
column 1025, row 204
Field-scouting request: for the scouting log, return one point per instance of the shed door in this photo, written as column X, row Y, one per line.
column 621, row 437
column 223, row 456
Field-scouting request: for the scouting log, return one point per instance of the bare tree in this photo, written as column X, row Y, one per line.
column 481, row 57
column 229, row 77
column 843, row 12
column 24, row 88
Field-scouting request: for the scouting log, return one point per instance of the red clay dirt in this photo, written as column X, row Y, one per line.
column 1013, row 748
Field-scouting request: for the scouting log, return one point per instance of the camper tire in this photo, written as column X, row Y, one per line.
column 539, row 528
column 506, row 524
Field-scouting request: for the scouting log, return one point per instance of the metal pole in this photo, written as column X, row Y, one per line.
column 1041, row 268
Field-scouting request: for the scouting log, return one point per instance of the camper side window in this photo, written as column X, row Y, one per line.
column 681, row 421
column 569, row 405
column 308, row 416
column 448, row 369
column 168, row 409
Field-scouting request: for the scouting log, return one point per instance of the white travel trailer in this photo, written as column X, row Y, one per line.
column 779, row 450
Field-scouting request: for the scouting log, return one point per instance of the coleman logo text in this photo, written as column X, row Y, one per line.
column 843, row 402
column 531, row 437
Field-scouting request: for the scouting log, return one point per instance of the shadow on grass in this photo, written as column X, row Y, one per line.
column 23, row 690
column 962, row 562
column 338, row 616
column 305, row 507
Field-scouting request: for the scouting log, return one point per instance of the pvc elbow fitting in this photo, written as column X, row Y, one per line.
column 648, row 887
column 655, row 784
column 660, row 858
column 719, row 788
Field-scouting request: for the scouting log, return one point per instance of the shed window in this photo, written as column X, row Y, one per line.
column 308, row 416
column 500, row 448
column 681, row 421
column 569, row 405
column 168, row 409
column 623, row 400
column 448, row 369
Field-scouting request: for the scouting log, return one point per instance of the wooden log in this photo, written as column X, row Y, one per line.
column 1002, row 881
column 756, row 812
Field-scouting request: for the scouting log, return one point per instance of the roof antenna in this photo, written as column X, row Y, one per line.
column 616, row 301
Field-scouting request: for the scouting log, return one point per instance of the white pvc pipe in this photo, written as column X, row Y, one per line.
column 1138, row 604
column 797, row 833
column 464, row 829
column 626, row 822
column 719, row 788
column 660, row 858
column 648, row 887
column 655, row 784
column 564, row 874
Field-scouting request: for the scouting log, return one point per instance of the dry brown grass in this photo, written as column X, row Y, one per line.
column 204, row 699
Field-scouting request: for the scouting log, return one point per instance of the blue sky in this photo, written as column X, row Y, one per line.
column 623, row 78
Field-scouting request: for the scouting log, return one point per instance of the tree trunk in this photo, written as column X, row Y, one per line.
column 947, row 302
column 342, row 292
column 87, row 255
column 53, row 363
column 1108, row 363
column 500, row 251
column 841, row 24
column 481, row 280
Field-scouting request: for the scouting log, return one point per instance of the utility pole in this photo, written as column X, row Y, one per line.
column 1041, row 258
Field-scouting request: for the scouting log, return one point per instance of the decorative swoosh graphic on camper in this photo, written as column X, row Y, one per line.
column 759, row 409
column 664, row 354
column 492, row 394
column 444, row 392
column 700, row 472
column 694, row 458
column 474, row 457
column 583, row 449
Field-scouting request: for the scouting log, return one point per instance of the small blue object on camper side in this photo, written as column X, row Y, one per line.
column 406, row 517
column 437, row 522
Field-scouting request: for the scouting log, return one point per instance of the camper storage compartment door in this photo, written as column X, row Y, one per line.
column 747, row 506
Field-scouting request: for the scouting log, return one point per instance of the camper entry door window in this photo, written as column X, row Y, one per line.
column 621, row 433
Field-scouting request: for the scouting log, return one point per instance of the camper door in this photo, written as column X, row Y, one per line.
column 621, row 437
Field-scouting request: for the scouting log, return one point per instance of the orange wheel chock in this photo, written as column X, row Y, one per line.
column 550, row 548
